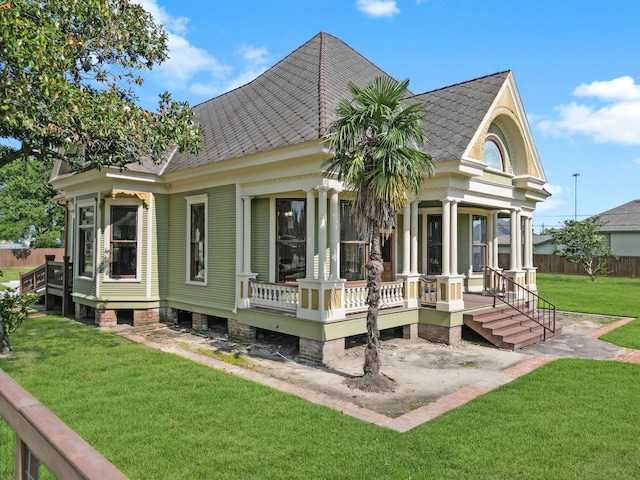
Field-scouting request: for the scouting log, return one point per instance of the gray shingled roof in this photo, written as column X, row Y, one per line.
column 624, row 218
column 293, row 102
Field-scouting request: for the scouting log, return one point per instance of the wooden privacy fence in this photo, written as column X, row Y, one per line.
column 27, row 257
column 618, row 267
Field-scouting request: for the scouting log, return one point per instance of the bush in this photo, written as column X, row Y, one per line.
column 14, row 309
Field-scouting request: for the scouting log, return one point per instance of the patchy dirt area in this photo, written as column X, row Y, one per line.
column 423, row 371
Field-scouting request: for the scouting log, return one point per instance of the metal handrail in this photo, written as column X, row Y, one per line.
column 520, row 298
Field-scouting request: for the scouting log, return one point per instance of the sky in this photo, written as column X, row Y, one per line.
column 576, row 65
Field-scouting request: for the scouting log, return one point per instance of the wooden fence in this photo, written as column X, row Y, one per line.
column 27, row 258
column 618, row 267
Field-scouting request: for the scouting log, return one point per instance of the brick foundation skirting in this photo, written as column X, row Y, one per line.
column 437, row 333
column 199, row 322
column 106, row 318
column 241, row 331
column 146, row 317
column 321, row 352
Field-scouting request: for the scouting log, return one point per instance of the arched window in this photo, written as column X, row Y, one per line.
column 493, row 153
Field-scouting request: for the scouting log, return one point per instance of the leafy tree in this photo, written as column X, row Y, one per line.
column 27, row 207
column 375, row 144
column 68, row 70
column 14, row 309
column 582, row 243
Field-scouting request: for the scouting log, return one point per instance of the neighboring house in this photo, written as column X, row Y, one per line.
column 542, row 244
column 251, row 231
column 622, row 229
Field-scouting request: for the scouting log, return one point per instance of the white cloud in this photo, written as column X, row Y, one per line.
column 637, row 161
column 193, row 69
column 622, row 88
column 617, row 120
column 554, row 201
column 378, row 8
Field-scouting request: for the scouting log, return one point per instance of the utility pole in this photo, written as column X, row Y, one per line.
column 575, row 212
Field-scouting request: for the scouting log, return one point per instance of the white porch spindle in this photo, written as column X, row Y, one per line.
column 311, row 231
column 246, row 235
column 454, row 238
column 446, row 236
column 322, row 234
column 414, row 237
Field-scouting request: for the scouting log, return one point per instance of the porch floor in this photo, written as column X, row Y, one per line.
column 475, row 300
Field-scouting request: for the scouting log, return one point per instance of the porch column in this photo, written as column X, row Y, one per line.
column 529, row 269
column 490, row 239
column 519, row 238
column 245, row 277
column 410, row 275
column 496, row 243
column 446, row 236
column 449, row 283
column 414, row 237
column 406, row 240
column 513, row 265
column 334, row 236
column 454, row 238
column 322, row 233
column 311, row 232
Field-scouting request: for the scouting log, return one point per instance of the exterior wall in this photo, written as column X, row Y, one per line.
column 219, row 290
column 625, row 243
column 161, row 220
column 260, row 253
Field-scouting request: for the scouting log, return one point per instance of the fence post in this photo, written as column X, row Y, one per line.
column 47, row 301
column 65, row 286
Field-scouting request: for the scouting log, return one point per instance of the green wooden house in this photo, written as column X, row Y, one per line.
column 250, row 230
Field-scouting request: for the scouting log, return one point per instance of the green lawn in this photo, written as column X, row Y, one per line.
column 159, row 416
column 607, row 296
column 10, row 274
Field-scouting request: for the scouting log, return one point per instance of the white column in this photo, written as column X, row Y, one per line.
column 490, row 239
column 514, row 241
column 246, row 235
column 334, row 236
column 496, row 244
column 414, row 237
column 406, row 240
column 519, row 239
column 322, row 233
column 454, row 238
column 528, row 244
column 446, row 236
column 311, row 231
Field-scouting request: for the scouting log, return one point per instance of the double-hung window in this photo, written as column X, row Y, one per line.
column 86, row 240
column 479, row 243
column 291, row 243
column 434, row 244
column 197, row 239
column 353, row 250
column 123, row 251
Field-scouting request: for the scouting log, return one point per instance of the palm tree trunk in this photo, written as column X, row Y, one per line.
column 374, row 279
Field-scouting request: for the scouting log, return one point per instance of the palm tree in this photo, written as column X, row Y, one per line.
column 375, row 145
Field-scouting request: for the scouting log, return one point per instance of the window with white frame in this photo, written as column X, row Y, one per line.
column 478, row 243
column 123, row 241
column 86, row 240
column 197, row 239
column 434, row 244
column 291, row 243
column 494, row 153
column 354, row 251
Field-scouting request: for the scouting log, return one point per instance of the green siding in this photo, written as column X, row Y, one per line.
column 161, row 242
column 221, row 255
column 260, row 238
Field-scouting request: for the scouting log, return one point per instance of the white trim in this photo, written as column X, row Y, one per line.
column 202, row 198
column 125, row 202
column 150, row 229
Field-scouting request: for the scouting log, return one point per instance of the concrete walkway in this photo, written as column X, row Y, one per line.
column 562, row 346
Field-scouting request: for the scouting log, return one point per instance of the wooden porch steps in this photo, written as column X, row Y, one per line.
column 506, row 328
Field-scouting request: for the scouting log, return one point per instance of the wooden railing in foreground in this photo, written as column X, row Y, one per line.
column 52, row 278
column 41, row 437
column 528, row 303
column 34, row 280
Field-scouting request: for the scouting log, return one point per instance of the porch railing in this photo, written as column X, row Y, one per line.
column 286, row 296
column 391, row 295
column 34, row 280
column 428, row 292
column 274, row 295
column 528, row 303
